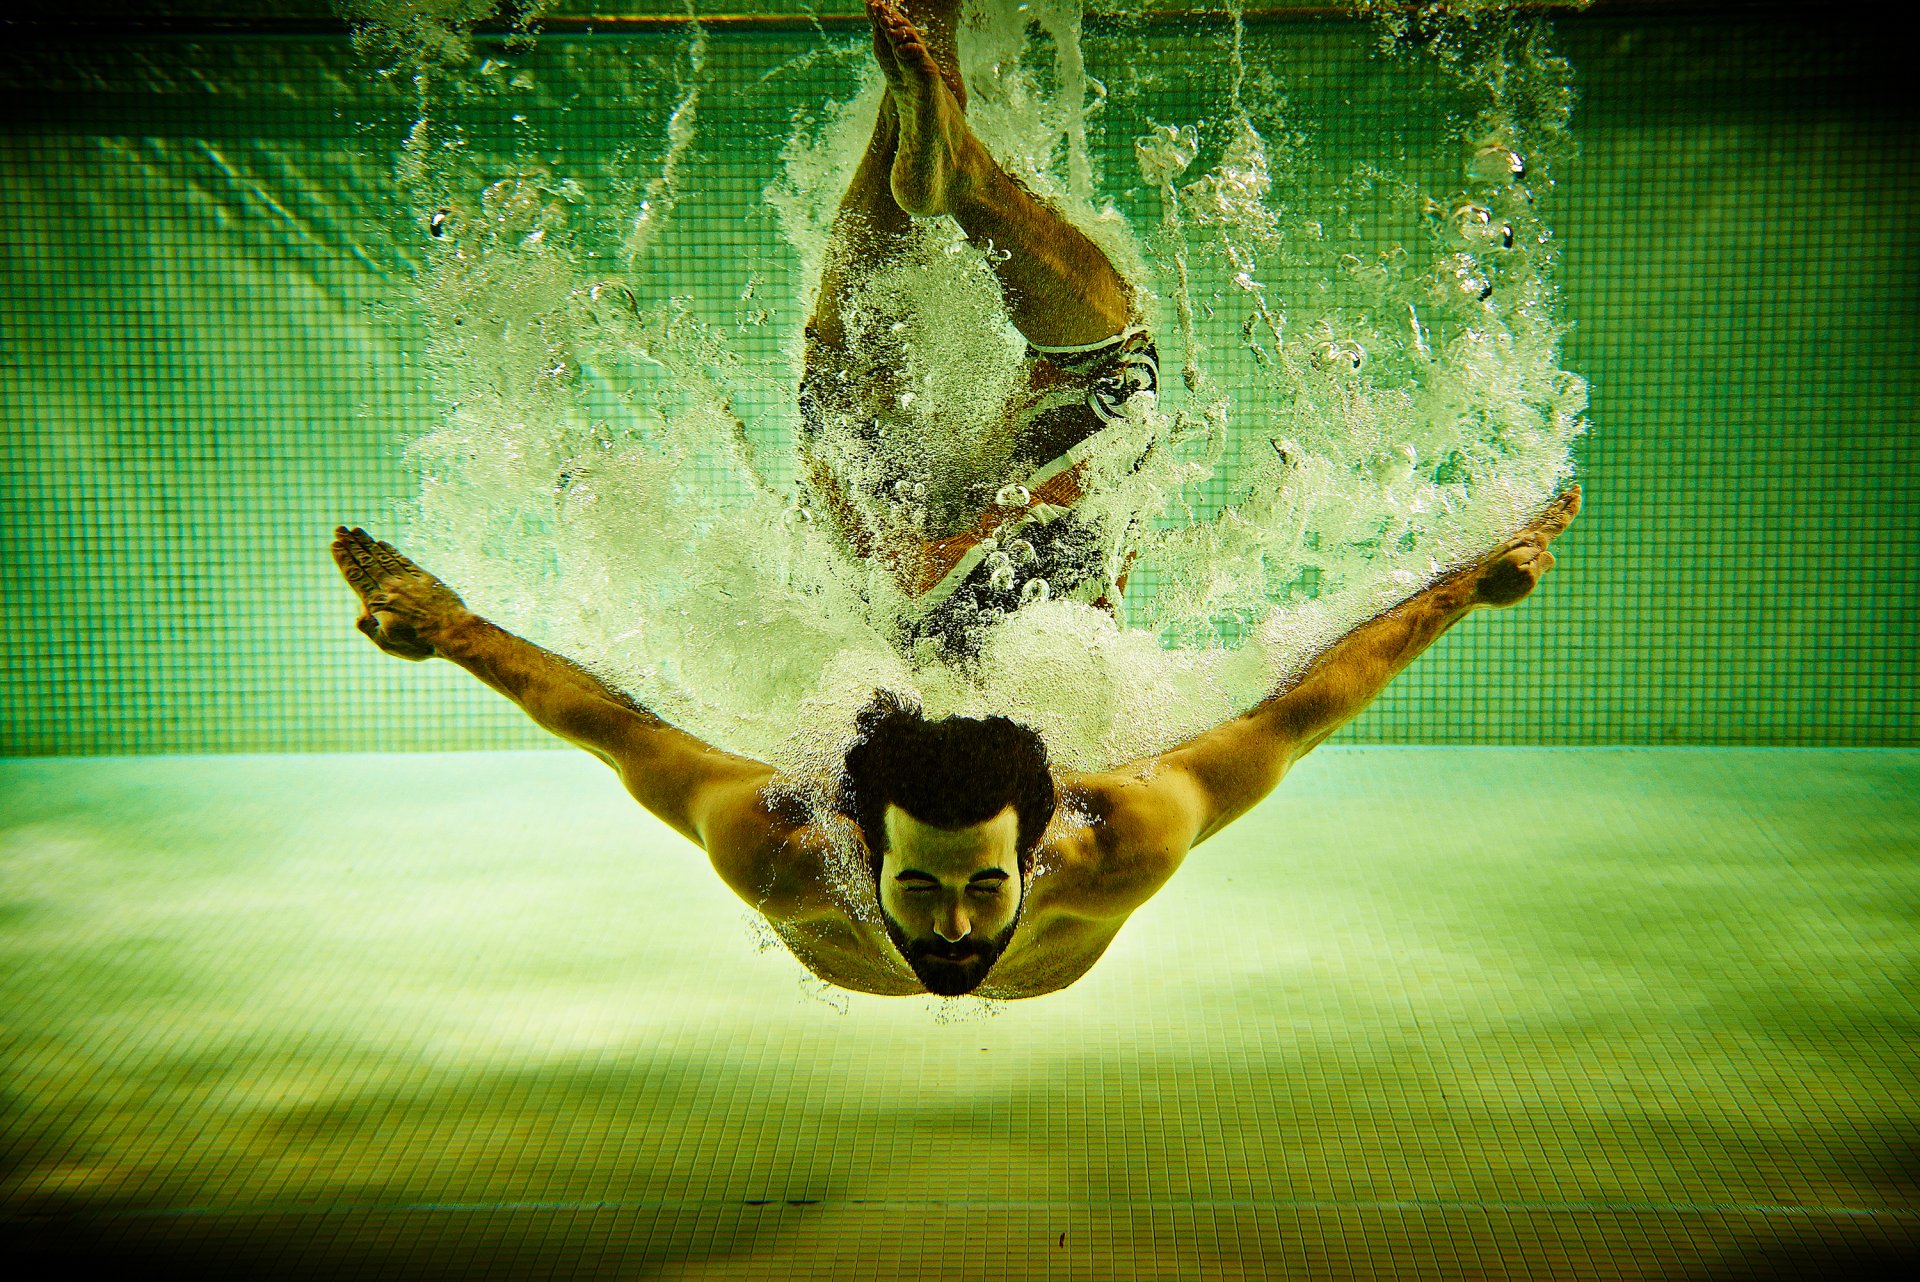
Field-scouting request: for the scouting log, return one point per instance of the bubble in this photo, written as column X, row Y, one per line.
column 1459, row 274
column 1394, row 466
column 1342, row 356
column 1164, row 154
column 1477, row 225
column 1493, row 162
column 1372, row 418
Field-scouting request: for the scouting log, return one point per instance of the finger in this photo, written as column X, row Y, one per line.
column 354, row 567
column 369, row 625
column 1560, row 513
column 390, row 559
column 1546, row 561
column 351, row 570
column 367, row 548
column 398, row 637
column 358, row 542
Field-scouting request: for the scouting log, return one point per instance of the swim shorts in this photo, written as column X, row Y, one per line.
column 1031, row 533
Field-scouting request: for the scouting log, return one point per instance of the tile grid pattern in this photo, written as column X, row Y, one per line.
column 1433, row 1013
column 211, row 360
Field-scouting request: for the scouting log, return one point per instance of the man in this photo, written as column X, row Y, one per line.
column 985, row 881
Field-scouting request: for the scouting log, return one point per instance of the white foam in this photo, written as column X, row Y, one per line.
column 593, row 485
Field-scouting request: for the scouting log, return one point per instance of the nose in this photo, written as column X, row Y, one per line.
column 952, row 925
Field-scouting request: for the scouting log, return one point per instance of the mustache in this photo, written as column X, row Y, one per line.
column 949, row 968
column 949, row 952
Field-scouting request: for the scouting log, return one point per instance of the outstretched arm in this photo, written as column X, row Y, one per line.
column 1182, row 797
column 703, row 793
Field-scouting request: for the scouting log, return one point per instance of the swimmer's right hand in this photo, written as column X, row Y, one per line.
column 403, row 608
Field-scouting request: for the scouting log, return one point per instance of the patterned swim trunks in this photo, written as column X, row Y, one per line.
column 1030, row 542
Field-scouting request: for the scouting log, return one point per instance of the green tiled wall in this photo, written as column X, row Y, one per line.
column 206, row 362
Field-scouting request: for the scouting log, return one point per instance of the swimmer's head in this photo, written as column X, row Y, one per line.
column 952, row 811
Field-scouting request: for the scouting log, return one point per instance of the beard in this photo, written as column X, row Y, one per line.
column 949, row 970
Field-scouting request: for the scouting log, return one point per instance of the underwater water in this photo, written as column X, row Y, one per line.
column 1362, row 389
column 1428, row 1012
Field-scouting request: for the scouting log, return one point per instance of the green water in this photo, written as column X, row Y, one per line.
column 1426, row 1013
column 1468, row 1012
column 214, row 359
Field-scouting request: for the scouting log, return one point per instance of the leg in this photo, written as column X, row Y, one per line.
column 870, row 231
column 1060, row 289
column 870, row 228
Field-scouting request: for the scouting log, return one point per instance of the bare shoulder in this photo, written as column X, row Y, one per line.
column 765, row 848
column 1125, row 833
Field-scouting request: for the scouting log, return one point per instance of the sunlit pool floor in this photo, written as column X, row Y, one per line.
column 1428, row 1014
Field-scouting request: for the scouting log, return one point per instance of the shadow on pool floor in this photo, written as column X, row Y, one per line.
column 1425, row 1014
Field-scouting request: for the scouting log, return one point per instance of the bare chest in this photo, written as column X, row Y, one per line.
column 1049, row 951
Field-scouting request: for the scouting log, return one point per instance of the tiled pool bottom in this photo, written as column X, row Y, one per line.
column 1427, row 1013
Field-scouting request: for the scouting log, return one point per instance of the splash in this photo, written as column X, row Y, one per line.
column 416, row 34
column 1360, row 408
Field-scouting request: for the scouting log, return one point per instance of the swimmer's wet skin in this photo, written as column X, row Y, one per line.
column 1085, row 357
column 955, row 895
column 956, row 814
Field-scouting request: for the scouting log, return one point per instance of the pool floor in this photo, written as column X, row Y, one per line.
column 1427, row 1013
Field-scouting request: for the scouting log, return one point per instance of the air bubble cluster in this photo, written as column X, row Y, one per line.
column 1359, row 391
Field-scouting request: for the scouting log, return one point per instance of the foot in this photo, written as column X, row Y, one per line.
column 937, row 155
column 1519, row 564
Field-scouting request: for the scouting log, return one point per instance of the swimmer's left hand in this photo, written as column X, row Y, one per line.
column 1521, row 562
column 402, row 606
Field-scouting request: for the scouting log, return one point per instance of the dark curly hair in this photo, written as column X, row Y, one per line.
column 949, row 773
